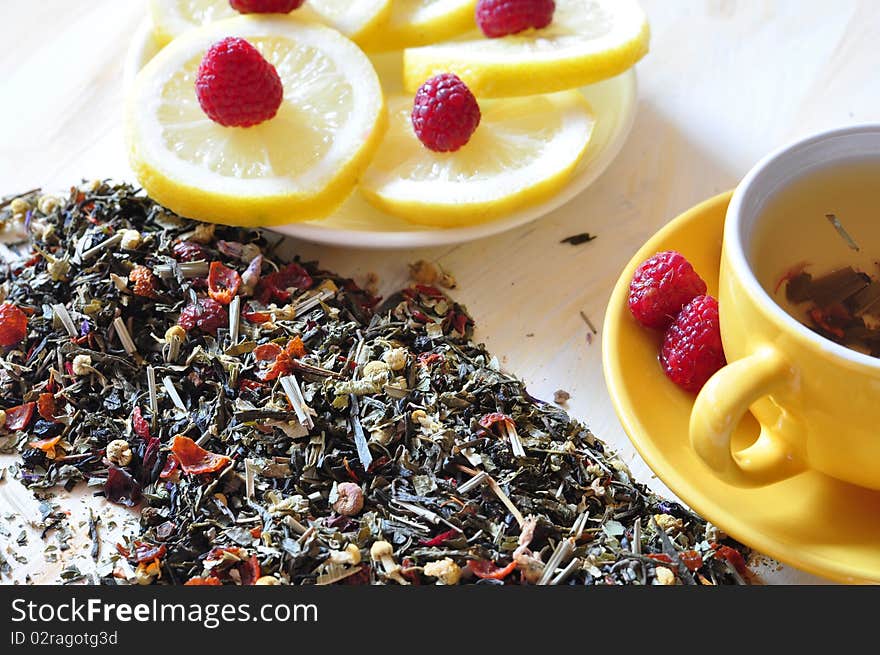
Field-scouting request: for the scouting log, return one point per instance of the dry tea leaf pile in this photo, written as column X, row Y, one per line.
column 273, row 423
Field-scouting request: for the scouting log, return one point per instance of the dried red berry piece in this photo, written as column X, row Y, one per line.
column 249, row 571
column 267, row 352
column 46, row 445
column 276, row 286
column 445, row 113
column 284, row 361
column 206, row 314
column 139, row 424
column 249, row 385
column 692, row 350
column 203, row 582
column 18, row 417
column 236, row 86
column 13, row 325
column 440, row 539
column 46, row 406
column 187, row 251
column 502, row 17
column 147, row 552
column 194, row 459
column 488, row 570
column 171, row 465
column 733, row 556
column 252, row 316
column 660, row 287
column 426, row 359
column 490, row 420
column 122, row 488
column 265, row 6
column 144, row 282
column 691, row 559
column 223, row 283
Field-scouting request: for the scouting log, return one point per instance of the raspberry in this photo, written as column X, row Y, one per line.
column 502, row 17
column 265, row 6
column 13, row 325
column 692, row 350
column 445, row 113
column 206, row 314
column 661, row 286
column 236, row 87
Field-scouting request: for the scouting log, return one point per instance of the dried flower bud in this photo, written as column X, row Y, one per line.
column 19, row 207
column 2, row 418
column 58, row 269
column 668, row 523
column 350, row 555
column 267, row 580
column 349, row 499
column 203, row 233
column 395, row 358
column 376, row 369
column 381, row 550
column 82, row 365
column 119, row 452
column 131, row 239
column 48, row 204
column 445, row 570
column 174, row 331
column 424, row 272
column 664, row 576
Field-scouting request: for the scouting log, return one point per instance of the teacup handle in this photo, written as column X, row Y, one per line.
column 719, row 408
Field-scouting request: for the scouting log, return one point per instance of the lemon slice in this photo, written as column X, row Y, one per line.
column 356, row 19
column 419, row 22
column 588, row 41
column 299, row 165
column 523, row 151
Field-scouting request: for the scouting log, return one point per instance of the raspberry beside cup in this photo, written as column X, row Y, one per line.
column 666, row 293
column 661, row 286
column 692, row 351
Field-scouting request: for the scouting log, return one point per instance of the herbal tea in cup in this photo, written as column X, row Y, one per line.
column 798, row 264
column 816, row 251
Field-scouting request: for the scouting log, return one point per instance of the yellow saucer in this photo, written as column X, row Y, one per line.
column 815, row 523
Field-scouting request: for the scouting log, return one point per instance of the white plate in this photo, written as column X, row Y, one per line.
column 358, row 224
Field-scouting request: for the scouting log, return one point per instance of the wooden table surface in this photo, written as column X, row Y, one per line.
column 725, row 82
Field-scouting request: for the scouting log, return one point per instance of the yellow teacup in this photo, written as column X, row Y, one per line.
column 818, row 402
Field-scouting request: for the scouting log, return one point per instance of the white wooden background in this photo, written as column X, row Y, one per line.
column 726, row 81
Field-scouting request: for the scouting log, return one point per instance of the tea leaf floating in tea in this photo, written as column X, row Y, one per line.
column 244, row 421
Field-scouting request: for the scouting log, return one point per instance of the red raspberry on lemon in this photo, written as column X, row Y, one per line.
column 265, row 6
column 236, row 87
column 445, row 113
column 692, row 350
column 502, row 17
column 661, row 286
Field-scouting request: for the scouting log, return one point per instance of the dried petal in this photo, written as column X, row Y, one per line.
column 223, row 283
column 13, row 325
column 194, row 459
